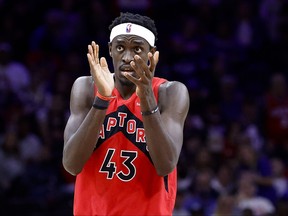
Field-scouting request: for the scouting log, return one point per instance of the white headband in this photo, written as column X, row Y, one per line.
column 133, row 29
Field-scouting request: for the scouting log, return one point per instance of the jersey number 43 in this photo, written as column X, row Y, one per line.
column 110, row 168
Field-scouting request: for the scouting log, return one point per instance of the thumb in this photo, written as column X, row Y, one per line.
column 156, row 57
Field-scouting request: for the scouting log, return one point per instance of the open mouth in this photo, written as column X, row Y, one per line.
column 128, row 70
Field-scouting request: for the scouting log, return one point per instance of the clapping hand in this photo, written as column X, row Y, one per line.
column 99, row 71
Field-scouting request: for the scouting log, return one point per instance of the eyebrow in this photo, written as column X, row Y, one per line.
column 136, row 41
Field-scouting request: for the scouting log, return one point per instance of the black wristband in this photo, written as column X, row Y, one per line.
column 100, row 103
column 146, row 113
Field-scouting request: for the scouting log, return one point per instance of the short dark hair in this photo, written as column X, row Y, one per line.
column 138, row 19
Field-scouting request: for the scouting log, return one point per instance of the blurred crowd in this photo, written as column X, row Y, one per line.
column 231, row 54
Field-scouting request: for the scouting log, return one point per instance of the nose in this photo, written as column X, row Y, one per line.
column 128, row 56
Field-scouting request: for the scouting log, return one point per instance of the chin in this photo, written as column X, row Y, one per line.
column 126, row 82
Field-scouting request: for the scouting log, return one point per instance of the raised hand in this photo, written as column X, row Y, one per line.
column 99, row 71
column 145, row 73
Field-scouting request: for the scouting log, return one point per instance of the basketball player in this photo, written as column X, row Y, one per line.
column 125, row 132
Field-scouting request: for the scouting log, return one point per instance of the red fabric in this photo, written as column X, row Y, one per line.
column 143, row 192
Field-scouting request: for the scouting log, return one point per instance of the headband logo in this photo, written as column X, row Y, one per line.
column 128, row 28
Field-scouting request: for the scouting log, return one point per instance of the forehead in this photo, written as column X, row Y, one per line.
column 130, row 39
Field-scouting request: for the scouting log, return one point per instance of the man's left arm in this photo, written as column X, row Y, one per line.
column 164, row 129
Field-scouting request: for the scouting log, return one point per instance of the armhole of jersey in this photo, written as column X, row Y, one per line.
column 165, row 178
column 156, row 84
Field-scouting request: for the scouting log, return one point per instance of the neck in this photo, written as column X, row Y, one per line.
column 125, row 89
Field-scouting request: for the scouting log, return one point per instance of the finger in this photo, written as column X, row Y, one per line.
column 89, row 60
column 95, row 51
column 156, row 57
column 104, row 64
column 131, row 78
column 90, row 51
column 151, row 65
column 143, row 70
column 153, row 60
column 141, row 73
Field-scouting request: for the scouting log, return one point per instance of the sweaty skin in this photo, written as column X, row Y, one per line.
column 134, row 63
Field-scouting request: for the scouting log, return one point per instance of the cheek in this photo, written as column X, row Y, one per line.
column 116, row 64
column 114, row 58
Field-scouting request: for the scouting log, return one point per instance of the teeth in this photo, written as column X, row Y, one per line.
column 126, row 69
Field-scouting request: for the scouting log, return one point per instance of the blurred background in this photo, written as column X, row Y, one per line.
column 231, row 54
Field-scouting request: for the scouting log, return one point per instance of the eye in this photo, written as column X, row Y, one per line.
column 138, row 49
column 119, row 48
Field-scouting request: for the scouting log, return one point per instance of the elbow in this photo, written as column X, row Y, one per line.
column 166, row 165
column 164, row 171
column 71, row 165
column 73, row 170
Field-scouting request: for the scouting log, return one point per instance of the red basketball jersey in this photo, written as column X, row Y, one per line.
column 120, row 178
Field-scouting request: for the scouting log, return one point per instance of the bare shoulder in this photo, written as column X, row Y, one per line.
column 83, row 81
column 82, row 92
column 173, row 94
column 173, row 88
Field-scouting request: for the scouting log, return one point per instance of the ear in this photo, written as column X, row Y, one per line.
column 110, row 47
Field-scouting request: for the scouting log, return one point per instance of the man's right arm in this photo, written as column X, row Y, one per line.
column 83, row 126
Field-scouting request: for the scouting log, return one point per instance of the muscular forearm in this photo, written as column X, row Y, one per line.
column 80, row 145
column 160, row 145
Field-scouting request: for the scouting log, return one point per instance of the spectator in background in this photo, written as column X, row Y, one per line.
column 20, row 150
column 258, row 166
column 187, row 43
column 269, row 11
column 230, row 99
column 179, row 209
column 233, row 135
column 223, row 183
column 250, row 121
column 14, row 75
column 248, row 200
column 246, row 21
column 225, row 206
column 54, row 35
column 11, row 165
column 279, row 178
column 29, row 144
column 276, row 116
column 201, row 198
